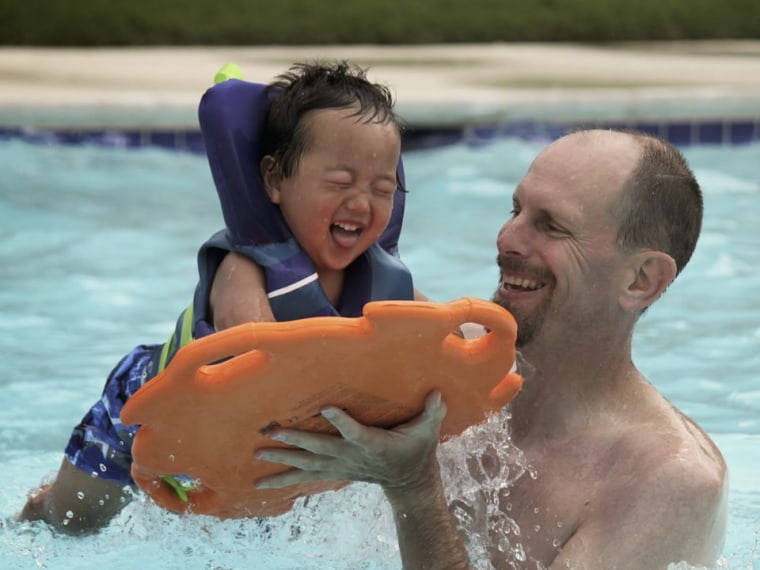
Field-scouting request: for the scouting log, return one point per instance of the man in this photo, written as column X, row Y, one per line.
column 602, row 223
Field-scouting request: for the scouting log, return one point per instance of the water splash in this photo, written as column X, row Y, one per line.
column 478, row 468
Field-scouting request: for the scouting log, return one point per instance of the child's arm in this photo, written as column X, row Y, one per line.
column 238, row 293
column 419, row 296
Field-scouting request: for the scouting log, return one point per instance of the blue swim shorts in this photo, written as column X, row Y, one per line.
column 101, row 444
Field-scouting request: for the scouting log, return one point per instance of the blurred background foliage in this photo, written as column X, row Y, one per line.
column 307, row 22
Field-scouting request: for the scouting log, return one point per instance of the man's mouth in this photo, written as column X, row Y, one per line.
column 516, row 275
column 520, row 283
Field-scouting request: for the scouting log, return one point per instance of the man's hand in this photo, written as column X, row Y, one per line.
column 402, row 460
column 393, row 458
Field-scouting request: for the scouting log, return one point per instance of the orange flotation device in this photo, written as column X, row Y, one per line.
column 212, row 407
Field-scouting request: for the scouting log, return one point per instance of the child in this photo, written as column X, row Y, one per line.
column 330, row 152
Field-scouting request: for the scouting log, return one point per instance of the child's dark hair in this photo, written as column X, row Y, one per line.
column 307, row 87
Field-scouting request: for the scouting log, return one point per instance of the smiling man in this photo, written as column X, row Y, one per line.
column 602, row 223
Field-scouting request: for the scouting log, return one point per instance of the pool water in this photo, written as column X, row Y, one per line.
column 97, row 248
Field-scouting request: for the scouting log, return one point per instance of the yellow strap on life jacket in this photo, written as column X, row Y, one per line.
column 185, row 336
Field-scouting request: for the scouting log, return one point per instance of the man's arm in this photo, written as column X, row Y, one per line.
column 672, row 513
column 76, row 502
column 402, row 460
column 427, row 535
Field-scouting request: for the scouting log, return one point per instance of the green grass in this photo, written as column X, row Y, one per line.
column 304, row 22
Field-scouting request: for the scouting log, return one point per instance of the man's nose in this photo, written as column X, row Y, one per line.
column 514, row 237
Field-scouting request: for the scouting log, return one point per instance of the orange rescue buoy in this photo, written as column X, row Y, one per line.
column 212, row 407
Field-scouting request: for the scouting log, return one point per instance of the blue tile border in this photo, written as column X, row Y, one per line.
column 681, row 133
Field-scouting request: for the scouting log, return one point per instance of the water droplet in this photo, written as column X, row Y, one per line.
column 520, row 553
column 106, row 496
column 103, row 468
column 101, row 502
column 171, row 457
column 556, row 543
column 537, row 528
column 535, row 510
column 94, row 474
column 69, row 514
column 80, row 495
column 65, row 522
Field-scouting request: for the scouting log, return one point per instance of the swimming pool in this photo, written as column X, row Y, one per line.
column 98, row 254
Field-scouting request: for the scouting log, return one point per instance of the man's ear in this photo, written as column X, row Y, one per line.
column 651, row 273
column 270, row 174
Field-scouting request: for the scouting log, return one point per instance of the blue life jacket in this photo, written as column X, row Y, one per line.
column 232, row 116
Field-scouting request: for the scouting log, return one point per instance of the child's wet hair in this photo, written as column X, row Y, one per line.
column 308, row 87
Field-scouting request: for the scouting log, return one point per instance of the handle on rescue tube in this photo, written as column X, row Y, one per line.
column 500, row 338
column 497, row 343
column 240, row 341
column 501, row 326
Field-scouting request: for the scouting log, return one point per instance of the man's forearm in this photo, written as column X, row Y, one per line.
column 427, row 534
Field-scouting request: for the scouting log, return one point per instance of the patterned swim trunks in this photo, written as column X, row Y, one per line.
column 101, row 444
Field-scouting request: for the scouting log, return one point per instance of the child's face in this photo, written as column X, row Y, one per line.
column 340, row 196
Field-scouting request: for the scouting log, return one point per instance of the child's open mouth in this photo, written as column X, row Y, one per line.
column 346, row 235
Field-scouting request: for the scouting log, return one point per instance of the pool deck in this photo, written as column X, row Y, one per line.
column 435, row 85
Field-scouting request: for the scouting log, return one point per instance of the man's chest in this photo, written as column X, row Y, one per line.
column 549, row 502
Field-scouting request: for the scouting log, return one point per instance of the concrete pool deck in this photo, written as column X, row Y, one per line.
column 435, row 85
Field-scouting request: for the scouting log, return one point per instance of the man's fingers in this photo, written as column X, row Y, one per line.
column 431, row 417
column 351, row 430
column 318, row 443
column 292, row 477
column 435, row 407
column 348, row 427
column 294, row 458
column 358, row 453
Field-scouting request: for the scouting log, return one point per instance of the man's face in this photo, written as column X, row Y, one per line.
column 560, row 267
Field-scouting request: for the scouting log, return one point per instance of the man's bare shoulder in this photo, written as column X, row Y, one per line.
column 677, row 486
column 678, row 442
column 668, row 449
column 683, row 464
column 661, row 497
